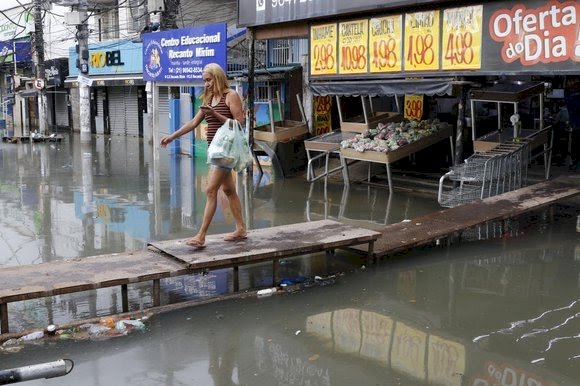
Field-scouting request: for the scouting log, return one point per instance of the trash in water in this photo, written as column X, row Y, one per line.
column 266, row 292
column 32, row 336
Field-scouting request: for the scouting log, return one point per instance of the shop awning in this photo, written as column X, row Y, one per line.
column 384, row 87
column 108, row 80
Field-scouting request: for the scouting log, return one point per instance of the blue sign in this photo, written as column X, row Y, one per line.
column 119, row 57
column 23, row 51
column 181, row 54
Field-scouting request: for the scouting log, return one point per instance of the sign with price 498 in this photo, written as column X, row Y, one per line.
column 462, row 31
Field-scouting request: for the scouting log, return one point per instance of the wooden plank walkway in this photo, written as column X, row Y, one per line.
column 172, row 258
column 427, row 229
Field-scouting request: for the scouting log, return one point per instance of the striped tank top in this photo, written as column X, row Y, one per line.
column 213, row 124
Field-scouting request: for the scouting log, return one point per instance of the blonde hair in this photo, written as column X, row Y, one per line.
column 221, row 84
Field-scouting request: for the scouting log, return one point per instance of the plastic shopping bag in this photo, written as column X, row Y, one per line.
column 243, row 150
column 222, row 149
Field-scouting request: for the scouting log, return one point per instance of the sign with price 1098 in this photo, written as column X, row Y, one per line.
column 353, row 46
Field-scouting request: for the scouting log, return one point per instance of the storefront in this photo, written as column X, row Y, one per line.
column 428, row 48
column 58, row 106
column 117, row 88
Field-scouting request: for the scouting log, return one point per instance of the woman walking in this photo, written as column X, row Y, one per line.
column 220, row 103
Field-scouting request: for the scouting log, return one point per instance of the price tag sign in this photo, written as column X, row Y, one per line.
column 462, row 31
column 353, row 46
column 385, row 37
column 413, row 107
column 323, row 54
column 422, row 35
column 322, row 114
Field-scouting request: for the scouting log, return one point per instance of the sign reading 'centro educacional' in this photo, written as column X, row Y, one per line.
column 180, row 55
column 536, row 36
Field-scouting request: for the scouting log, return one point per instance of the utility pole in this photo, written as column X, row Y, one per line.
column 169, row 21
column 84, row 92
column 39, row 67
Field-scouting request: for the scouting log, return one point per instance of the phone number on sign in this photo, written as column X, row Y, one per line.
column 281, row 3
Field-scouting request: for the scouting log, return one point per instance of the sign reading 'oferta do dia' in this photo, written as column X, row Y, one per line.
column 503, row 37
column 181, row 54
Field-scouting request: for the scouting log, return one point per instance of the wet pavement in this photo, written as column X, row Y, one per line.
column 501, row 308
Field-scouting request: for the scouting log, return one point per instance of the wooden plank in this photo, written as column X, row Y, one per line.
column 267, row 244
column 26, row 282
column 427, row 229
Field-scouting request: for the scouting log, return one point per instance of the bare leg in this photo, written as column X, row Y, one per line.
column 229, row 188
column 216, row 179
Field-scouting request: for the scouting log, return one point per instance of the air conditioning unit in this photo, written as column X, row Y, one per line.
column 155, row 5
column 75, row 18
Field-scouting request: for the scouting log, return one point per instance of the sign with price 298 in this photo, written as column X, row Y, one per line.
column 323, row 52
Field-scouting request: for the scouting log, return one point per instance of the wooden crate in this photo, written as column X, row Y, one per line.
column 404, row 151
column 283, row 130
column 357, row 124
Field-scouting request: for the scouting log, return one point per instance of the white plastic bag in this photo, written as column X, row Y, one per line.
column 221, row 150
column 230, row 147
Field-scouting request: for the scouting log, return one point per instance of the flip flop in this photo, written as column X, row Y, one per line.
column 195, row 244
column 232, row 237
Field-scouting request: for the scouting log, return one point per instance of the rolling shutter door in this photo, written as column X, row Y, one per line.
column 100, row 119
column 131, row 111
column 117, row 110
column 61, row 109
column 163, row 110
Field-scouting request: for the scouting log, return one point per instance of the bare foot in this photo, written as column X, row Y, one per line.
column 236, row 236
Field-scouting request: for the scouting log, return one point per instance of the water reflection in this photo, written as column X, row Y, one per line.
column 503, row 311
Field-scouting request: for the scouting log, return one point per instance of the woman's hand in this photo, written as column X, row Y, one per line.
column 207, row 110
column 165, row 140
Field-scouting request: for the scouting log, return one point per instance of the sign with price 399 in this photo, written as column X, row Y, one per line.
column 323, row 53
column 422, row 41
column 462, row 30
column 413, row 107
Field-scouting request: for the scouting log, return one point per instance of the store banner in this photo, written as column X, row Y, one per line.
column 353, row 46
column 322, row 114
column 181, row 54
column 462, row 32
column 509, row 37
column 119, row 57
column 422, row 41
column 323, row 49
column 386, row 43
column 532, row 36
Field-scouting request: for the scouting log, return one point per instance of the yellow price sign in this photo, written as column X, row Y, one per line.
column 353, row 46
column 462, row 31
column 385, row 37
column 322, row 114
column 323, row 52
column 422, row 34
column 413, row 107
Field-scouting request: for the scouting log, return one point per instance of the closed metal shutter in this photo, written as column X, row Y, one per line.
column 163, row 110
column 131, row 111
column 61, row 109
column 117, row 110
column 100, row 119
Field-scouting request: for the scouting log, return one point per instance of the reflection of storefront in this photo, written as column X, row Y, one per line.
column 117, row 88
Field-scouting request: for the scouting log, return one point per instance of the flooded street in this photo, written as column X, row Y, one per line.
column 501, row 308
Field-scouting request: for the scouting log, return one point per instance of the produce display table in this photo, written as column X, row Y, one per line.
column 445, row 131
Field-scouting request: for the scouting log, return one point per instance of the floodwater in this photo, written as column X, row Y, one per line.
column 501, row 308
